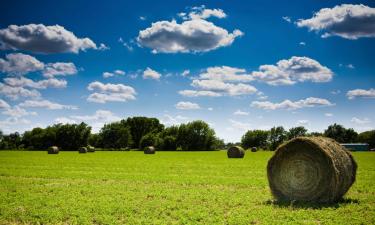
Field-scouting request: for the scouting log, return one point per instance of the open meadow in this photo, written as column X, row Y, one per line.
column 165, row 188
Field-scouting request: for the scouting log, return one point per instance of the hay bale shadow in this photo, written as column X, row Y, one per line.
column 310, row 205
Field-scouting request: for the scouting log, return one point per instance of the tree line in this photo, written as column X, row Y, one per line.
column 139, row 132
column 130, row 133
column 271, row 139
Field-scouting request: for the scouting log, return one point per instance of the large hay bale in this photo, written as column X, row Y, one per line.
column 254, row 149
column 236, row 152
column 82, row 150
column 149, row 150
column 90, row 148
column 53, row 150
column 311, row 169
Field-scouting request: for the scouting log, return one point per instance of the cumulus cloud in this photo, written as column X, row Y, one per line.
column 45, row 104
column 4, row 104
column 346, row 21
column 59, row 69
column 223, row 88
column 194, row 93
column 303, row 122
column 187, row 106
column 361, row 93
column 237, row 125
column 290, row 105
column 39, row 38
column 65, row 120
column 170, row 120
column 200, row 12
column 185, row 73
column 226, row 73
column 295, row 69
column 42, row 84
column 240, row 113
column 328, row 114
column 19, row 64
column 287, row 19
column 15, row 93
column 17, row 111
column 110, row 92
column 151, row 74
column 111, row 74
column 196, row 35
column 360, row 121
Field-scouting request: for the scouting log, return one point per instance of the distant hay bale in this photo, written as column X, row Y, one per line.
column 254, row 149
column 149, row 150
column 82, row 150
column 53, row 150
column 90, row 148
column 236, row 152
column 311, row 169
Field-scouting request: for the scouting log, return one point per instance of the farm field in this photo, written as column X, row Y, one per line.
column 165, row 188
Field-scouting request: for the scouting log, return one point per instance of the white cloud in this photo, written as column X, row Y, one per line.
column 10, row 122
column 142, row 18
column 110, row 92
column 226, row 73
column 59, row 69
column 151, row 74
column 240, row 125
column 210, row 109
column 200, row 12
column 15, row 93
column 103, row 47
column 17, row 111
column 295, row 69
column 224, row 88
column 361, row 93
column 111, row 74
column 42, row 84
column 4, row 104
column 287, row 19
column 303, row 122
column 43, row 39
column 185, row 73
column 240, row 113
column 45, row 104
column 65, row 120
column 19, row 64
column 328, row 114
column 196, row 35
column 194, row 93
column 302, row 43
column 290, row 105
column 169, row 120
column 98, row 119
column 187, row 106
column 360, row 121
column 346, row 21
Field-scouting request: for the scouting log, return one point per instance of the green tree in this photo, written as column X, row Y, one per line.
column 276, row 137
column 367, row 137
column 255, row 138
column 340, row 133
column 115, row 135
column 71, row 136
column 140, row 126
column 149, row 139
column 195, row 136
column 296, row 132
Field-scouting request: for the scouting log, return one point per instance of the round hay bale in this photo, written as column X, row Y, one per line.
column 236, row 152
column 254, row 149
column 82, row 150
column 311, row 169
column 149, row 150
column 90, row 148
column 53, row 150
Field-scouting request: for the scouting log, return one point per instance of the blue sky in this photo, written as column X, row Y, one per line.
column 254, row 65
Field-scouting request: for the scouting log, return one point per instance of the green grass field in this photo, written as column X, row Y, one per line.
column 165, row 188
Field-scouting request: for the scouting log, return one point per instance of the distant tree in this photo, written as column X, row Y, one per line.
column 115, row 135
column 367, row 137
column 11, row 141
column 277, row 136
column 255, row 138
column 140, row 126
column 316, row 134
column 195, row 136
column 149, row 139
column 340, row 133
column 95, row 140
column 296, row 132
